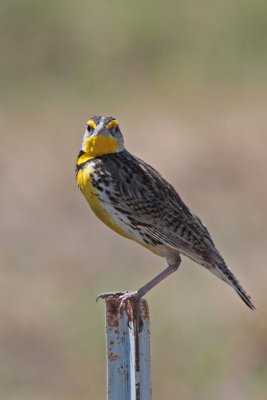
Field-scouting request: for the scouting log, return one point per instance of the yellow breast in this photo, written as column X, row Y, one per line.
column 84, row 182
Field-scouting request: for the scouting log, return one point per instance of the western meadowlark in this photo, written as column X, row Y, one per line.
column 135, row 201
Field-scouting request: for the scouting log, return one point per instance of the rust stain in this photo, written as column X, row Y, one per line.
column 144, row 309
column 134, row 311
column 129, row 309
column 112, row 312
column 112, row 356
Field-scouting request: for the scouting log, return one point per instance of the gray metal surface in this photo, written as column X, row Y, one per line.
column 128, row 351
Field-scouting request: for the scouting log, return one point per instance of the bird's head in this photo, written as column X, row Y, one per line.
column 102, row 136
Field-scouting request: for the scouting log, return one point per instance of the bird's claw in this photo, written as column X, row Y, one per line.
column 123, row 297
column 110, row 295
column 128, row 297
column 127, row 301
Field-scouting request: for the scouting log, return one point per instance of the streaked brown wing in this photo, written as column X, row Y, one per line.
column 151, row 202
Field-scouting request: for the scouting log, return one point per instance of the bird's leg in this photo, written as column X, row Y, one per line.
column 138, row 294
column 155, row 281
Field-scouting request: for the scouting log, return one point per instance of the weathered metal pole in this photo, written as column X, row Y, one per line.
column 128, row 351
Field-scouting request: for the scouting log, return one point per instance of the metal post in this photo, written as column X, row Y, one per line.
column 128, row 351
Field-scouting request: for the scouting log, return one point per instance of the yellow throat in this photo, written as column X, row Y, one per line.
column 96, row 146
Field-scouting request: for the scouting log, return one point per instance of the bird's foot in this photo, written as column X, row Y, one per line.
column 123, row 297
column 128, row 301
column 110, row 295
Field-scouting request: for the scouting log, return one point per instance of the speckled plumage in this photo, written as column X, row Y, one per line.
column 149, row 210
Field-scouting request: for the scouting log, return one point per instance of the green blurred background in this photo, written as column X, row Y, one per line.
column 187, row 81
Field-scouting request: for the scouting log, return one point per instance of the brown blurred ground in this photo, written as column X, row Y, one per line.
column 188, row 85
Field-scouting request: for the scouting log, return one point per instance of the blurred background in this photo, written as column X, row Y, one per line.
column 187, row 81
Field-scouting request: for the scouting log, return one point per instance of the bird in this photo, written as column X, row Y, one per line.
column 134, row 200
